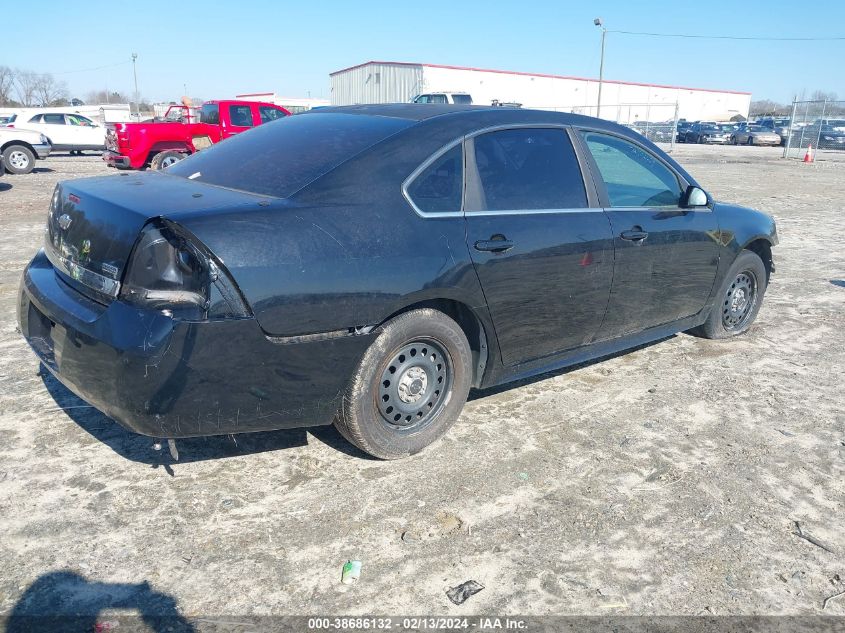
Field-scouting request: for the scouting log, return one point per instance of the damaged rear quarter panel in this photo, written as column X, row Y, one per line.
column 347, row 251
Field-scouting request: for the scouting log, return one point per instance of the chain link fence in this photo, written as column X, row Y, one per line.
column 658, row 122
column 816, row 124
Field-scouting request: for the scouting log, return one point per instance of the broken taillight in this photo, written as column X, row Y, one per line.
column 170, row 271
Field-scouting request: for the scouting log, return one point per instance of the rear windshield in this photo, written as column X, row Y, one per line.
column 281, row 157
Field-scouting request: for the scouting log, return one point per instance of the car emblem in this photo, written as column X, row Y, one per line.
column 64, row 221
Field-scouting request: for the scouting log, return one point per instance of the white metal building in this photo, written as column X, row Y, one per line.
column 388, row 82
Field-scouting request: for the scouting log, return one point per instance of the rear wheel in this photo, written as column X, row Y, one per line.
column 18, row 159
column 739, row 299
column 409, row 387
column 162, row 160
column 750, row 140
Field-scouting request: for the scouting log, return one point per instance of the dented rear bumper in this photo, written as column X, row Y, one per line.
column 166, row 378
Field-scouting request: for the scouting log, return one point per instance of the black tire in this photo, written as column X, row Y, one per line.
column 163, row 160
column 729, row 316
column 734, row 141
column 18, row 159
column 418, row 342
column 750, row 140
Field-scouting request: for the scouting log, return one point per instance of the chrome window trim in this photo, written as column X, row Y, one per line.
column 95, row 281
column 661, row 209
column 474, row 214
column 422, row 167
column 493, row 128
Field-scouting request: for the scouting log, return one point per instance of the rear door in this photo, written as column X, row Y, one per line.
column 543, row 254
column 665, row 255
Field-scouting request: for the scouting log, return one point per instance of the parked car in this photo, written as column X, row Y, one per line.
column 682, row 129
column 367, row 265
column 779, row 125
column 21, row 148
column 824, row 137
column 746, row 134
column 705, row 132
column 460, row 98
column 66, row 132
column 179, row 133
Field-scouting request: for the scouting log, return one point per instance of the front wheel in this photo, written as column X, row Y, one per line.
column 18, row 159
column 739, row 299
column 409, row 387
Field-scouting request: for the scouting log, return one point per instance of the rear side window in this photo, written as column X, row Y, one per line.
column 462, row 99
column 281, row 158
column 633, row 177
column 240, row 115
column 210, row 114
column 55, row 119
column 439, row 187
column 268, row 114
column 35, row 119
column 526, row 169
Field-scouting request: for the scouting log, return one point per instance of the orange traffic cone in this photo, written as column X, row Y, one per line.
column 808, row 157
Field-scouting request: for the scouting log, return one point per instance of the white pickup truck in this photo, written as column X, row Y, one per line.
column 20, row 148
column 460, row 98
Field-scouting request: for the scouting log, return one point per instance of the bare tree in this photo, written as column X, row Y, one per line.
column 25, row 82
column 768, row 107
column 7, row 82
column 104, row 96
column 821, row 95
column 48, row 90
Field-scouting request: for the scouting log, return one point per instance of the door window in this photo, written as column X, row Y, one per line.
column 268, row 114
column 633, row 177
column 210, row 114
column 526, row 169
column 240, row 115
column 75, row 119
column 439, row 188
column 55, row 119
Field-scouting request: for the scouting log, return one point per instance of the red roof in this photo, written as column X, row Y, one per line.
column 513, row 72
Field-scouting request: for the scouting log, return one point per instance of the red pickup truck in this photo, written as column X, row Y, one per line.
column 183, row 131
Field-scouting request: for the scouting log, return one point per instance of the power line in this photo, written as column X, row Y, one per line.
column 85, row 70
column 734, row 37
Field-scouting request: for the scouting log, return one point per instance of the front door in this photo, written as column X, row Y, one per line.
column 665, row 255
column 240, row 119
column 543, row 256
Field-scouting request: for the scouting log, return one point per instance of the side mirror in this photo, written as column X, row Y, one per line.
column 694, row 197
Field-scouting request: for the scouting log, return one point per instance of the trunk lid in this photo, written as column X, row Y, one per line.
column 94, row 222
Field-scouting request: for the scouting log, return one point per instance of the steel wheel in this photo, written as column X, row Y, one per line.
column 168, row 161
column 18, row 159
column 740, row 300
column 415, row 385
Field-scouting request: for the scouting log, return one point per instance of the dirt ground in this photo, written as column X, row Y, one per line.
column 667, row 480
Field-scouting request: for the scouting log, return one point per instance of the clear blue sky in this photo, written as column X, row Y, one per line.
column 219, row 49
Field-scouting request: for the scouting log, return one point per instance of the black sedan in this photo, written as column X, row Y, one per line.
column 366, row 266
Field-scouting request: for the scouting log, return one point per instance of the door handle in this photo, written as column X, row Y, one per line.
column 494, row 246
column 634, row 235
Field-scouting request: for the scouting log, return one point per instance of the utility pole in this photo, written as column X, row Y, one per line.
column 135, row 74
column 598, row 22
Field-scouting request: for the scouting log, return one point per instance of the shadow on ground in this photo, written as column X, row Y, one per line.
column 838, row 282
column 139, row 448
column 62, row 601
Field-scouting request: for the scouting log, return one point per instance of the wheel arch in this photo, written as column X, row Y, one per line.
column 167, row 146
column 19, row 142
column 762, row 247
column 470, row 322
